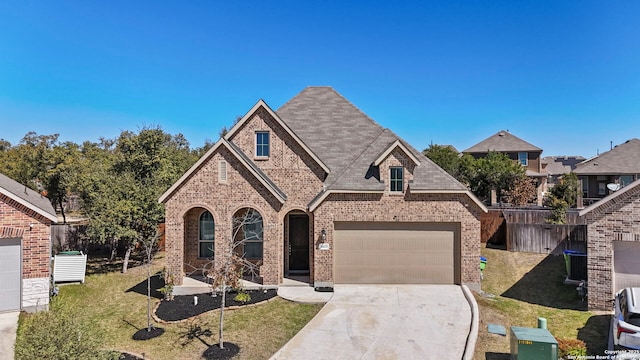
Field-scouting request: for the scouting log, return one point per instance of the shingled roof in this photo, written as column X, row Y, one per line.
column 348, row 141
column 502, row 141
column 558, row 165
column 622, row 159
column 27, row 197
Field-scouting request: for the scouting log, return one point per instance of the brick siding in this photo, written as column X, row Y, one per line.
column 301, row 179
column 452, row 208
column 16, row 219
column 617, row 220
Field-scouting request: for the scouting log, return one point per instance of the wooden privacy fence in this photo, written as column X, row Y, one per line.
column 546, row 238
column 73, row 237
column 527, row 230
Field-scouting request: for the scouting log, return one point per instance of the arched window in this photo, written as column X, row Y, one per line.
column 206, row 236
column 250, row 238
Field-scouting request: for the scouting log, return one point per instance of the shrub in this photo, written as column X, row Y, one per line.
column 57, row 334
column 571, row 348
column 242, row 297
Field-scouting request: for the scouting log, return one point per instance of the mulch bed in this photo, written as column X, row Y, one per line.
column 143, row 334
column 128, row 356
column 214, row 351
column 182, row 308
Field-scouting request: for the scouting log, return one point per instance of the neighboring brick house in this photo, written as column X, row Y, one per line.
column 620, row 166
column 341, row 200
column 613, row 245
column 25, row 247
column 518, row 150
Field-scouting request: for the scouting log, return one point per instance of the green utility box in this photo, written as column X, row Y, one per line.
column 533, row 344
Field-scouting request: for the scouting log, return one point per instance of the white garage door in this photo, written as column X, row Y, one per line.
column 626, row 264
column 10, row 277
column 396, row 253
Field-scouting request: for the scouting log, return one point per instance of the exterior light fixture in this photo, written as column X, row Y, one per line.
column 323, row 235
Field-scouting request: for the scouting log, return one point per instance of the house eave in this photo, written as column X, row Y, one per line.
column 390, row 148
column 29, row 205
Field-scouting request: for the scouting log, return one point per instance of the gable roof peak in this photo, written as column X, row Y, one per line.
column 502, row 141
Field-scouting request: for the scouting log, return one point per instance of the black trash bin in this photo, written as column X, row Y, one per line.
column 576, row 263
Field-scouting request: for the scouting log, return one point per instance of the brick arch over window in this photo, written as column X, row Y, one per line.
column 199, row 236
column 248, row 233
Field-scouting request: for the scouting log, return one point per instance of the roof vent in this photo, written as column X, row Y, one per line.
column 501, row 133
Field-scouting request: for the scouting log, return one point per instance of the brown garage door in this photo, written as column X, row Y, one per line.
column 396, row 253
column 626, row 266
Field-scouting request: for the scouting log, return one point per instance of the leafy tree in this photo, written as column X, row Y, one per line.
column 26, row 162
column 494, row 172
column 561, row 197
column 522, row 190
column 461, row 167
column 121, row 201
column 58, row 177
column 4, row 145
column 445, row 156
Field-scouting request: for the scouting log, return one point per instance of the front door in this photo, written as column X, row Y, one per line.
column 299, row 243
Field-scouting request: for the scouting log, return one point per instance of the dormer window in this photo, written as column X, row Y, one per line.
column 396, row 179
column 523, row 158
column 262, row 144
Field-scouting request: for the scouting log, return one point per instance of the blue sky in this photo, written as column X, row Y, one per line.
column 563, row 75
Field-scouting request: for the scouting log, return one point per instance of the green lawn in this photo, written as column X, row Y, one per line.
column 116, row 314
column 527, row 286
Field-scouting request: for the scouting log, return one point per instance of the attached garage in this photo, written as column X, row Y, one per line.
column 613, row 244
column 396, row 253
column 10, row 274
column 626, row 267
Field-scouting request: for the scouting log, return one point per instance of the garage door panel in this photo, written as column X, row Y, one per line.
column 626, row 266
column 10, row 277
column 411, row 253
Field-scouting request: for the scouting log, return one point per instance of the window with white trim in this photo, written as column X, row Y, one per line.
column 262, row 144
column 396, row 179
column 523, row 158
column 206, row 236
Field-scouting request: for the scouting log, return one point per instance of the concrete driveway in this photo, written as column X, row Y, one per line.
column 8, row 328
column 387, row 322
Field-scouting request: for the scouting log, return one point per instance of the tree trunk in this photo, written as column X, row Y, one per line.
column 64, row 217
column 222, row 304
column 114, row 250
column 149, row 326
column 125, row 263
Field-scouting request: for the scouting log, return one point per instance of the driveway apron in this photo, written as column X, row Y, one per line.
column 386, row 322
column 8, row 328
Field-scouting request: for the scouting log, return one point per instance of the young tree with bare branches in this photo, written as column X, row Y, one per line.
column 231, row 263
